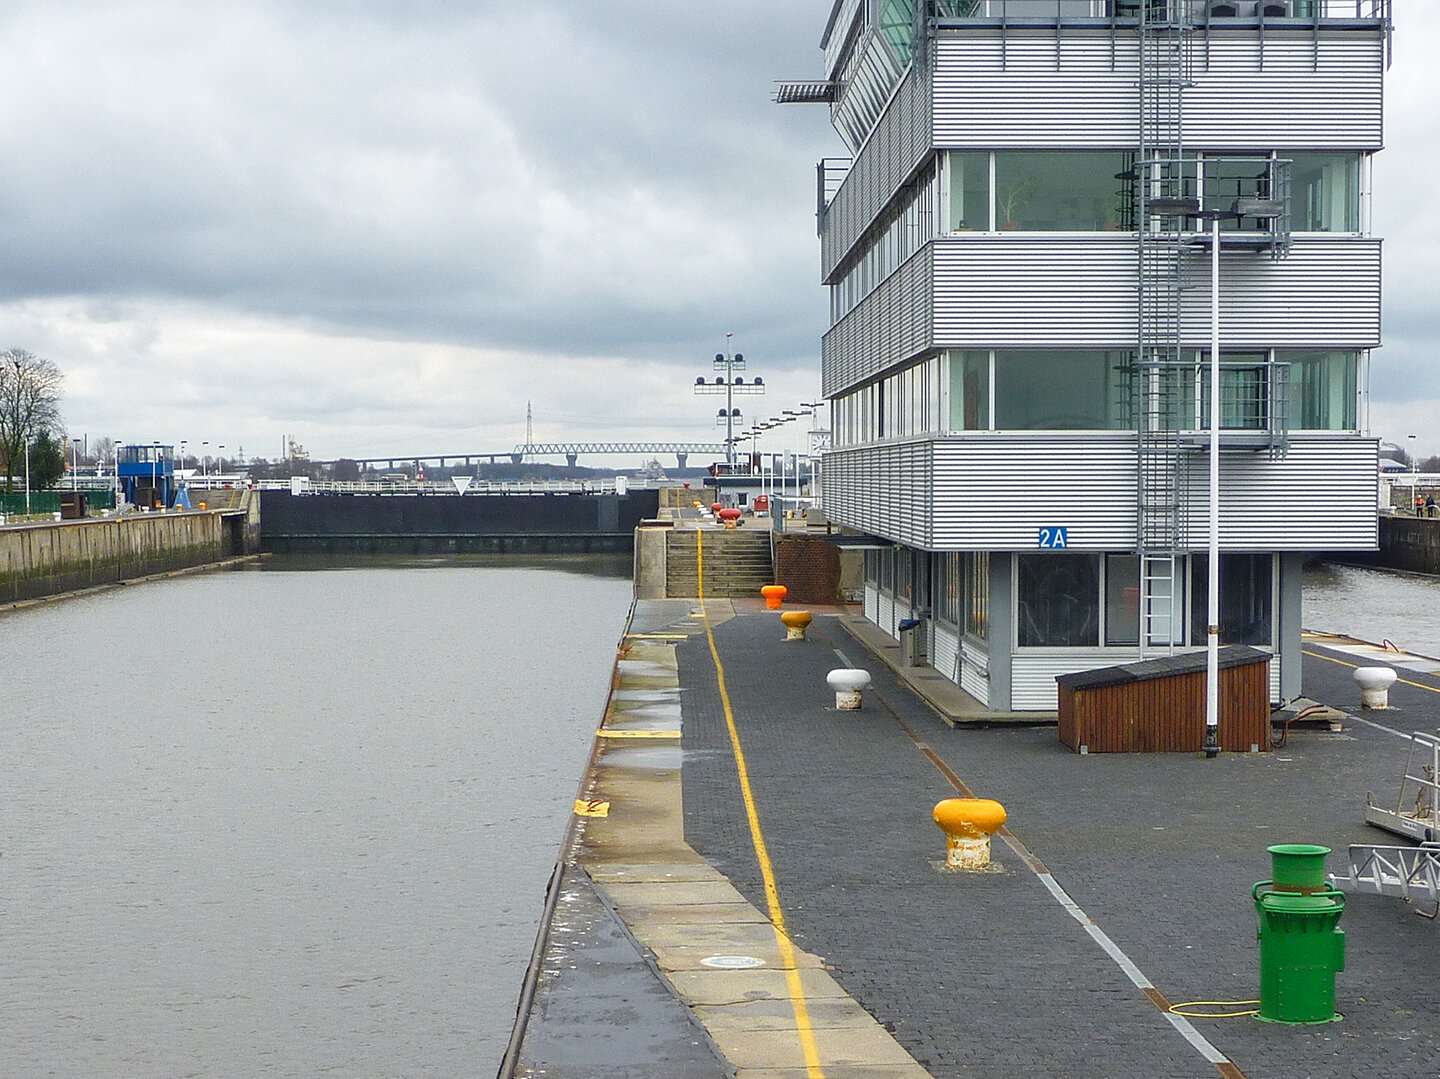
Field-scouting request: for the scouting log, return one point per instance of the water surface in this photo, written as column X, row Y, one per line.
column 1374, row 605
column 290, row 822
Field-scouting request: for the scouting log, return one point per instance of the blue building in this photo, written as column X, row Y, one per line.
column 147, row 475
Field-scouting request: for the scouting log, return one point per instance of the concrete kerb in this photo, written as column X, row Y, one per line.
column 715, row 951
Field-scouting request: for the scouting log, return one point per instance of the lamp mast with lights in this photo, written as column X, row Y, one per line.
column 731, row 386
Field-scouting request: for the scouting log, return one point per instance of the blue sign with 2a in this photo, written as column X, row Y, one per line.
column 1054, row 538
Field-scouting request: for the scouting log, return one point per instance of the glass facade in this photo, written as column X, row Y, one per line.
column 1057, row 600
column 1054, row 191
column 969, row 391
column 1246, row 598
column 1060, row 390
column 1041, row 191
column 1324, row 192
column 1324, row 389
column 969, row 176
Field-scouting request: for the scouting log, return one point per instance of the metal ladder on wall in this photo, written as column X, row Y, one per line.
column 1163, row 194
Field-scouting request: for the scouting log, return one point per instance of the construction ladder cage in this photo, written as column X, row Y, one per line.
column 1160, row 197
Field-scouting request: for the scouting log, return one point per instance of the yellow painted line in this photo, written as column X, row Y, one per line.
column 592, row 807
column 767, row 871
column 610, row 732
column 1344, row 663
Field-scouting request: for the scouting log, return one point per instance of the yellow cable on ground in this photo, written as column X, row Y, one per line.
column 1178, row 1009
column 767, row 871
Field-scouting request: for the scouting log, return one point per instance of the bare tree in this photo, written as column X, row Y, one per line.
column 29, row 404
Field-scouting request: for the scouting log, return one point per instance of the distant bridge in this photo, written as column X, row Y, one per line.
column 571, row 451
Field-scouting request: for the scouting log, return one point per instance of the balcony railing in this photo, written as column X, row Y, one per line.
column 1192, row 12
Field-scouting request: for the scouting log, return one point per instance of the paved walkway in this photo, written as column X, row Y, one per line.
column 1125, row 883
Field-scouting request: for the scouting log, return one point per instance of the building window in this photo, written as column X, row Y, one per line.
column 1122, row 599
column 904, row 575
column 1059, row 191
column 1246, row 598
column 1324, row 192
column 1244, row 392
column 1061, row 391
column 945, row 599
column 969, row 175
column 969, row 391
column 1323, row 390
column 977, row 595
column 1058, row 600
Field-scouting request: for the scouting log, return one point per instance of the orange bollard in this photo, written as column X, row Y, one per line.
column 773, row 594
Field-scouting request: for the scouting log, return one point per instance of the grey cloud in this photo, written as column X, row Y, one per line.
column 422, row 176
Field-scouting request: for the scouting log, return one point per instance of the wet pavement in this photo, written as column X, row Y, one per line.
column 798, row 908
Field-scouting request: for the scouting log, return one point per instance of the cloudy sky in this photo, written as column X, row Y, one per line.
column 384, row 227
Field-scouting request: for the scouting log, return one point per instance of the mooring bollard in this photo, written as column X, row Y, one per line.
column 773, row 594
column 795, row 623
column 847, row 682
column 1374, row 683
column 1301, row 946
column 968, row 824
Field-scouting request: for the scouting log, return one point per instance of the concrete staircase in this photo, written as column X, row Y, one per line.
column 737, row 562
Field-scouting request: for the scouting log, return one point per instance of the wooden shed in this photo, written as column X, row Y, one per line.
column 1158, row 705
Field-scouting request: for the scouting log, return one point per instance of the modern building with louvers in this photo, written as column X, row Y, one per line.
column 1020, row 255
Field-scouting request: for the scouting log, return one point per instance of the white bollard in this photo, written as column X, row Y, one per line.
column 847, row 682
column 1374, row 683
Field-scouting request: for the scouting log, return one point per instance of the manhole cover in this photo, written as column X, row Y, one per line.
column 732, row 962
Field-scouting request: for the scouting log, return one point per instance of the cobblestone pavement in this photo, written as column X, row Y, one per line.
column 986, row 974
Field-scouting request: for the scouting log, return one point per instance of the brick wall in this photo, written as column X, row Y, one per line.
column 809, row 566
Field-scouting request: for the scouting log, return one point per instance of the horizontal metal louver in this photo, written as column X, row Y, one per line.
column 895, row 148
column 1296, row 91
column 995, row 491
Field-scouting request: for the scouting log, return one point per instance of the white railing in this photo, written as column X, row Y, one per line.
column 1409, row 873
column 446, row 487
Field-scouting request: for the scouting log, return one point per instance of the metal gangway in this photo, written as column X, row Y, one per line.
column 1414, row 815
column 1409, row 873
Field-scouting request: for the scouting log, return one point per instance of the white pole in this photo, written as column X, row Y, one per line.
column 1212, row 631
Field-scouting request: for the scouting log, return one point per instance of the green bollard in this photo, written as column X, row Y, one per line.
column 1301, row 946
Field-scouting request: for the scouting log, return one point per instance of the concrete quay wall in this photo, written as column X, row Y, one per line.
column 1411, row 543
column 1408, row 543
column 48, row 559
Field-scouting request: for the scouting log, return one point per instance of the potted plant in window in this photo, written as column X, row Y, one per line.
column 1010, row 201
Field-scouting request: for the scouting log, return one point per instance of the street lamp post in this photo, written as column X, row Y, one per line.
column 1414, row 466
column 117, row 475
column 205, row 458
column 731, row 387
column 1212, row 599
column 1263, row 209
column 74, row 464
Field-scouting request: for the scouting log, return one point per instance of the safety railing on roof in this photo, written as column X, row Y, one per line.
column 1193, row 12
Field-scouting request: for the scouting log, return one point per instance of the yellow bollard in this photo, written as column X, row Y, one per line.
column 795, row 623
column 968, row 824
column 773, row 594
